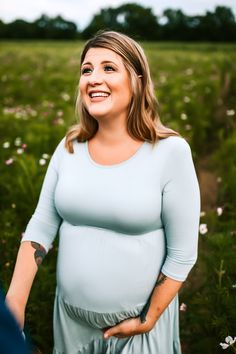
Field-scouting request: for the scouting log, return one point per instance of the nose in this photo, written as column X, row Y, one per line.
column 94, row 82
column 95, row 79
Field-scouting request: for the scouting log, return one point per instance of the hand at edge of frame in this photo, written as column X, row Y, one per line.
column 17, row 310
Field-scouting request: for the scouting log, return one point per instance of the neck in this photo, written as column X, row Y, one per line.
column 112, row 132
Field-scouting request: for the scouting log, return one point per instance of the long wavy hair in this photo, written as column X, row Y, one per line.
column 143, row 121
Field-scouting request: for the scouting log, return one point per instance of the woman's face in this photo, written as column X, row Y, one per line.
column 104, row 84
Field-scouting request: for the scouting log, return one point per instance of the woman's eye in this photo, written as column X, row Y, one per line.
column 86, row 70
column 109, row 68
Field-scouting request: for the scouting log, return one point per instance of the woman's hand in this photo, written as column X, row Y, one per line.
column 127, row 328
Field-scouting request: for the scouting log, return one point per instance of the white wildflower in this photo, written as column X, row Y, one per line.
column 65, row 96
column 6, row 145
column 219, row 211
column 187, row 99
column 224, row 345
column 42, row 162
column 228, row 342
column 18, row 141
column 230, row 112
column 183, row 307
column 20, row 151
column 188, row 127
column 33, row 112
column 203, row 229
column 45, row 156
column 203, row 213
column 60, row 113
column 183, row 116
column 58, row 121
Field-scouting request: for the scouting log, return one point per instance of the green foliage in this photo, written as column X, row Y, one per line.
column 43, row 28
column 135, row 20
column 132, row 19
column 196, row 88
column 225, row 160
column 210, row 295
column 140, row 22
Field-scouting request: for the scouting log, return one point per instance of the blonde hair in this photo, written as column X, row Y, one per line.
column 143, row 122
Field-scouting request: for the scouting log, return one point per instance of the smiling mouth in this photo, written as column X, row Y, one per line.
column 99, row 94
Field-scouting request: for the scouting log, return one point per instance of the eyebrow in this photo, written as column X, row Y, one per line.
column 103, row 62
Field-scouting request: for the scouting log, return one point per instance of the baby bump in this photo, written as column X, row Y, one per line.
column 104, row 271
column 97, row 320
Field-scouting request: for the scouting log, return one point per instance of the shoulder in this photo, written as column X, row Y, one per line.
column 173, row 147
column 177, row 158
column 173, row 143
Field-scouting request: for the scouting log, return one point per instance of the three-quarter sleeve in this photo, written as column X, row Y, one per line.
column 180, row 211
column 44, row 223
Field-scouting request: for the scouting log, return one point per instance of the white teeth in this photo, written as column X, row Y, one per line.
column 98, row 94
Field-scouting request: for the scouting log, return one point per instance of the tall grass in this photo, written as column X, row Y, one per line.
column 196, row 88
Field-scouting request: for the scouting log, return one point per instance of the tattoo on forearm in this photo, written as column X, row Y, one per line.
column 162, row 278
column 39, row 254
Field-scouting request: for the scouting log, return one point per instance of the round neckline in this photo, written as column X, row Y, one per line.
column 124, row 162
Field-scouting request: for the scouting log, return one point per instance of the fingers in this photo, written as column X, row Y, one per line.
column 112, row 331
column 124, row 329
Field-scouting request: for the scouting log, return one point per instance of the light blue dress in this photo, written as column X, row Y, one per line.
column 119, row 226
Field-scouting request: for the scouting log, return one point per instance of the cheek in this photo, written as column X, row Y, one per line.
column 122, row 89
column 82, row 87
column 127, row 85
column 126, row 90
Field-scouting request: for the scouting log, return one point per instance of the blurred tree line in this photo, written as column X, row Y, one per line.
column 135, row 20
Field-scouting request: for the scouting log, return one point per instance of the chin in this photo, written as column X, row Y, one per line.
column 98, row 115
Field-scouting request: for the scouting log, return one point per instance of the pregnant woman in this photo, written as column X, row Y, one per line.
column 121, row 190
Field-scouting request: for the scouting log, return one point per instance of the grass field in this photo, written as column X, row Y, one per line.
column 196, row 88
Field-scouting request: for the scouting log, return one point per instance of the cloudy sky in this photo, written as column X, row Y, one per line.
column 81, row 11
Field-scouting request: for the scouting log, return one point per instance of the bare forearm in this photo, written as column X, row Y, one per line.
column 29, row 257
column 163, row 293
